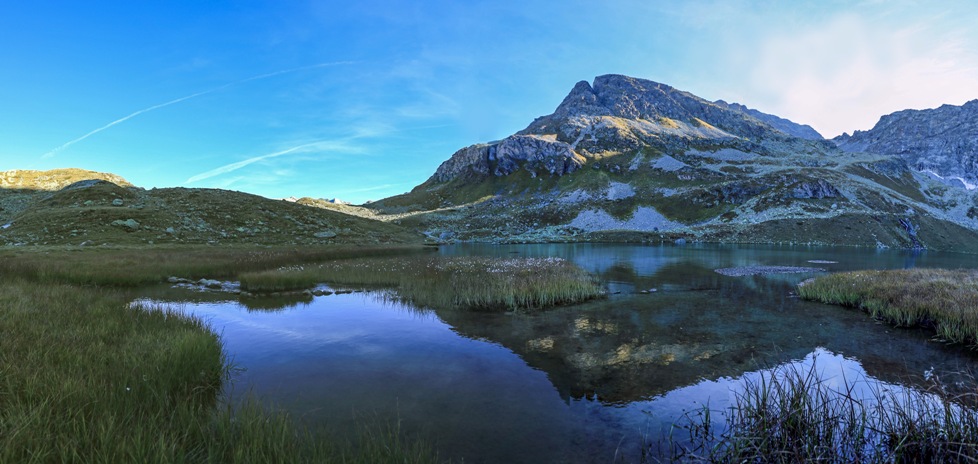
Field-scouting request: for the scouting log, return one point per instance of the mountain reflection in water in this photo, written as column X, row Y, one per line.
column 578, row 383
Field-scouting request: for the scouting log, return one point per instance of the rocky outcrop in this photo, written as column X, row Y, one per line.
column 814, row 190
column 802, row 131
column 943, row 141
column 469, row 161
column 537, row 155
column 639, row 99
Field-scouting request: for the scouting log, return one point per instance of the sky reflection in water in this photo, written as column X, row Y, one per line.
column 575, row 383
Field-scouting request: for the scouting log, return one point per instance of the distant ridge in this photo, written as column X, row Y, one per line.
column 54, row 179
column 803, row 131
column 77, row 207
column 942, row 141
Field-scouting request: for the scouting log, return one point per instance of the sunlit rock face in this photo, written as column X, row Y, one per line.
column 942, row 141
column 536, row 154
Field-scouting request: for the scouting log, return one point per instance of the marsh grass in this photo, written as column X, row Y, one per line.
column 446, row 282
column 943, row 300
column 86, row 377
column 794, row 415
column 132, row 267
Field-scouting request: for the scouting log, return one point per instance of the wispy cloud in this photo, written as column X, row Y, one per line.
column 340, row 145
column 123, row 119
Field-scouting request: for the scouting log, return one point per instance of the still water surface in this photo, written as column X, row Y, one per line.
column 596, row 382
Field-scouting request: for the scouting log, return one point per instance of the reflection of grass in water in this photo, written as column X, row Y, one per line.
column 84, row 377
column 793, row 415
column 275, row 304
column 446, row 282
column 945, row 300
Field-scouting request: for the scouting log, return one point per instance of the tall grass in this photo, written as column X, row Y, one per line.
column 944, row 300
column 446, row 282
column 794, row 415
column 132, row 267
column 84, row 377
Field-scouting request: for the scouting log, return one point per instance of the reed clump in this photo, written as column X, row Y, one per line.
column 446, row 282
column 795, row 415
column 943, row 300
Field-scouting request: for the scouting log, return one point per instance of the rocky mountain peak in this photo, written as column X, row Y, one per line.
column 618, row 114
column 581, row 100
column 941, row 141
column 633, row 99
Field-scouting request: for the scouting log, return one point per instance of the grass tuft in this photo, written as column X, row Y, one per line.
column 792, row 414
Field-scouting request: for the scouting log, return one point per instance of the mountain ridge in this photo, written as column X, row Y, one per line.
column 627, row 157
column 941, row 140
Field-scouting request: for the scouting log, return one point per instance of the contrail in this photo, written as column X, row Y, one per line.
column 188, row 97
column 320, row 145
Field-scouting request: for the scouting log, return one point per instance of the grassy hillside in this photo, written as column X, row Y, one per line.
column 76, row 207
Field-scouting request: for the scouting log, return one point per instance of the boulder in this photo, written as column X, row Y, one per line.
column 129, row 225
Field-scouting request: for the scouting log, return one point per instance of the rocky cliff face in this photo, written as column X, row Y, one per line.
column 627, row 157
column 535, row 154
column 943, row 141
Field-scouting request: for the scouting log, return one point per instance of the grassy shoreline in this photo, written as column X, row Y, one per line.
column 137, row 266
column 85, row 377
column 945, row 301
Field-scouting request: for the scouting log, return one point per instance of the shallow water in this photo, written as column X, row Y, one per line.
column 596, row 382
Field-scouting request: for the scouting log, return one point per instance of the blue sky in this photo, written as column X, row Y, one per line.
column 363, row 100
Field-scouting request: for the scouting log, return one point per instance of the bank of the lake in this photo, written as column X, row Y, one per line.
column 942, row 300
column 85, row 376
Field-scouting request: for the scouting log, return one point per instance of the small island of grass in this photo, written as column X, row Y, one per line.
column 479, row 283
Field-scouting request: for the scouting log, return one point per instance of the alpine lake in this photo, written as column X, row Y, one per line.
column 611, row 380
